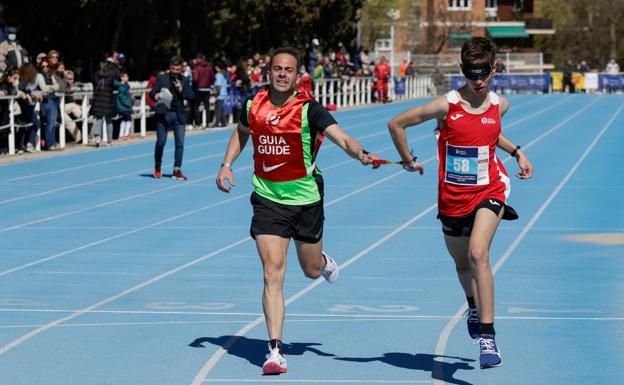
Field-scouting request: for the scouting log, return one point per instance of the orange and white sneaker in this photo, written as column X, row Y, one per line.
column 157, row 173
column 275, row 363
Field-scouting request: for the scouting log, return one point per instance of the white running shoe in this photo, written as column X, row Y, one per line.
column 330, row 271
column 275, row 363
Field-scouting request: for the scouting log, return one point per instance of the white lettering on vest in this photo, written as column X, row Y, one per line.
column 273, row 145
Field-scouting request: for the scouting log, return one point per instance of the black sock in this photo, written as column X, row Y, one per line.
column 487, row 329
column 471, row 302
column 276, row 344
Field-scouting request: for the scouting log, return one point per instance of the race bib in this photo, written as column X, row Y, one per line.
column 467, row 165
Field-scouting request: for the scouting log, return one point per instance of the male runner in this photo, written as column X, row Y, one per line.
column 473, row 184
column 286, row 127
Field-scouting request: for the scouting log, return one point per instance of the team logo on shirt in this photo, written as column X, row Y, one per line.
column 273, row 118
column 456, row 116
column 485, row 120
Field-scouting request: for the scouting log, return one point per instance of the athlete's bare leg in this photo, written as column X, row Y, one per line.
column 485, row 224
column 311, row 258
column 458, row 248
column 272, row 250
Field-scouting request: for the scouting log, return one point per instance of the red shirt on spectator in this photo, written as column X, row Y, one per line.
column 382, row 72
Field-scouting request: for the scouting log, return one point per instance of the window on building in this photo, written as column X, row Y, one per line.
column 459, row 5
column 491, row 4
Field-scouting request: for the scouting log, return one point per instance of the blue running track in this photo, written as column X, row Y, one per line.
column 110, row 277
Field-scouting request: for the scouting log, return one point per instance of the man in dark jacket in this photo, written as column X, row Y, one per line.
column 203, row 78
column 170, row 91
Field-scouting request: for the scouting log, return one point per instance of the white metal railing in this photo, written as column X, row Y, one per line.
column 349, row 92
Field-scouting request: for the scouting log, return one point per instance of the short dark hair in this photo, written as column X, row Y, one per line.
column 289, row 50
column 478, row 49
column 176, row 61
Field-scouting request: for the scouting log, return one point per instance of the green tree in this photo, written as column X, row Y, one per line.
column 585, row 30
column 149, row 32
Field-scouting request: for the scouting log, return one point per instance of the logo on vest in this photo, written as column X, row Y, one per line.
column 485, row 120
column 272, row 145
column 273, row 119
column 456, row 116
column 266, row 168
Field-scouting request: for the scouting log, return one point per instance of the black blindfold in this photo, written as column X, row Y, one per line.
column 476, row 71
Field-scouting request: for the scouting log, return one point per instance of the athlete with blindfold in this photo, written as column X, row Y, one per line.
column 473, row 184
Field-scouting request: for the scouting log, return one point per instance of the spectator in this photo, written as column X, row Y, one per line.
column 313, row 55
column 73, row 109
column 50, row 104
column 366, row 71
column 29, row 118
column 221, row 92
column 567, row 77
column 305, row 81
column 583, row 67
column 8, row 87
column 382, row 77
column 54, row 57
column 318, row 76
column 203, row 79
column 123, row 104
column 40, row 57
column 170, row 91
column 104, row 103
column 411, row 71
column 403, row 69
column 150, row 84
column 12, row 54
column 613, row 68
column 500, row 66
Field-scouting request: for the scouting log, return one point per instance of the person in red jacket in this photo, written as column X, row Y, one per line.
column 150, row 83
column 382, row 77
column 203, row 79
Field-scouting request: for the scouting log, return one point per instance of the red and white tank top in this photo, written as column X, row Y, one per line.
column 469, row 170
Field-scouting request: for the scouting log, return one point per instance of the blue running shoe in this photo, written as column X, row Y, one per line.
column 472, row 319
column 490, row 355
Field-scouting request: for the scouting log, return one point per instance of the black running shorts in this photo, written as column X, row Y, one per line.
column 462, row 226
column 303, row 223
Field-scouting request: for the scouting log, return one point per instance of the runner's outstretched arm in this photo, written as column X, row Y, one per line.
column 351, row 146
column 435, row 109
column 237, row 143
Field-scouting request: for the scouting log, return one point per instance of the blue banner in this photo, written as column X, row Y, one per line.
column 610, row 81
column 536, row 82
column 399, row 86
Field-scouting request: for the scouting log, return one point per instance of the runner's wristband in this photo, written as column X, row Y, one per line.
column 225, row 164
column 362, row 153
column 411, row 164
column 515, row 151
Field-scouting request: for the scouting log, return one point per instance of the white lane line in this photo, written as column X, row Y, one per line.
column 438, row 366
column 212, row 361
column 109, row 203
column 33, row 333
column 316, row 381
column 116, row 236
column 95, row 181
column 57, row 322
column 108, row 161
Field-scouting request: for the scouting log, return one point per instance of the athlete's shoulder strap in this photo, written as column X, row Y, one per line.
column 452, row 97
column 494, row 98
